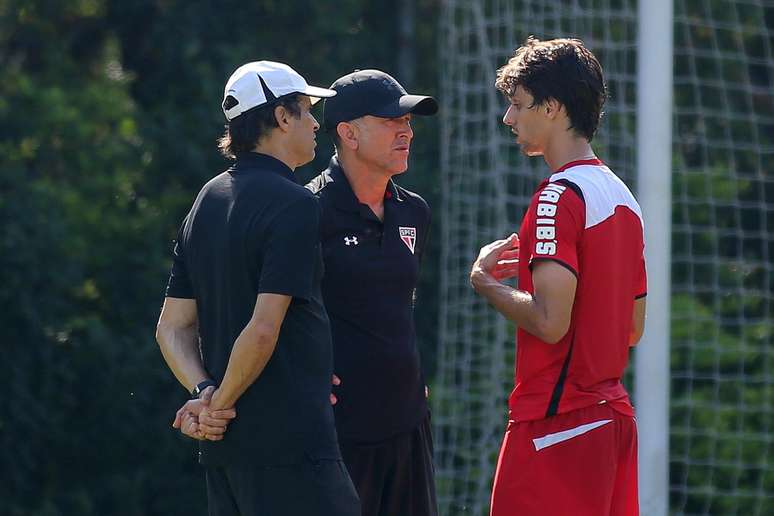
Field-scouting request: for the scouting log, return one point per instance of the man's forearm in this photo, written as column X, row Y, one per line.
column 547, row 312
column 180, row 348
column 517, row 306
column 250, row 354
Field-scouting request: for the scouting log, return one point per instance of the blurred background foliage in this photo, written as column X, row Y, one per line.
column 109, row 112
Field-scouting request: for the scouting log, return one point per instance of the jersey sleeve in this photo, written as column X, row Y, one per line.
column 557, row 219
column 179, row 283
column 292, row 251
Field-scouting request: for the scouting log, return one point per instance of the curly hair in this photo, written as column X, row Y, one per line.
column 561, row 69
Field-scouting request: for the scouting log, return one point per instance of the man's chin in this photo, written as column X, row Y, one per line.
column 531, row 152
column 308, row 158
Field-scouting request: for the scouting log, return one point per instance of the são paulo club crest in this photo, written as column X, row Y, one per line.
column 409, row 237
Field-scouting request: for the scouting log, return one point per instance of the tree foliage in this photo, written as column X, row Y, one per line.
column 109, row 112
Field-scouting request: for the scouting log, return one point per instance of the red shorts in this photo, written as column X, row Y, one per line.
column 581, row 463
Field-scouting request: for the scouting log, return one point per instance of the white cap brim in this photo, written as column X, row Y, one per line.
column 318, row 93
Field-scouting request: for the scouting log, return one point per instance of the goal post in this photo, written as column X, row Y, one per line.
column 654, row 192
column 689, row 126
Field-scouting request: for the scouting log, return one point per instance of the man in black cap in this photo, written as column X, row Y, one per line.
column 373, row 235
column 243, row 325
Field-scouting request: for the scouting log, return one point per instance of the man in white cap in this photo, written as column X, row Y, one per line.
column 243, row 325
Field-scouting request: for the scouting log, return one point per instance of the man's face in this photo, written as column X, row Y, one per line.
column 303, row 139
column 384, row 143
column 529, row 123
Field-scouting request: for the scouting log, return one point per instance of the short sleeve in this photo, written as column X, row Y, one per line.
column 291, row 251
column 179, row 284
column 558, row 219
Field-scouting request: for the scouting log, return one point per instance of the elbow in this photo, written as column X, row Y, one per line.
column 552, row 332
column 635, row 336
column 165, row 333
column 552, row 337
column 264, row 334
column 161, row 331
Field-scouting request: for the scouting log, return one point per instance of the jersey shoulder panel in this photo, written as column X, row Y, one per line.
column 602, row 192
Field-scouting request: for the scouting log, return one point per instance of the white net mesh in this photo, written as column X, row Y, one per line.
column 722, row 456
column 722, row 385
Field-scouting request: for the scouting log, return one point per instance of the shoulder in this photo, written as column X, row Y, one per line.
column 556, row 204
column 317, row 185
column 274, row 199
column 412, row 199
column 558, row 191
column 415, row 208
column 214, row 189
column 215, row 183
column 302, row 199
column 279, row 188
column 593, row 180
column 296, row 212
column 601, row 190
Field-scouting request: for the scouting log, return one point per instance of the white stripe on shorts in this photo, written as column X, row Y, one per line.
column 552, row 439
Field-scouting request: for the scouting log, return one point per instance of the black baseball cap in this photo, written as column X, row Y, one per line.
column 375, row 93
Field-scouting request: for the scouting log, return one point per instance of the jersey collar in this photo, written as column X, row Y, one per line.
column 251, row 161
column 595, row 162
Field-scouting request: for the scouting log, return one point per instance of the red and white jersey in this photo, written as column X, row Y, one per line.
column 586, row 219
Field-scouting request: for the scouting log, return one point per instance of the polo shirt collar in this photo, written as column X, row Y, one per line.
column 249, row 161
column 343, row 195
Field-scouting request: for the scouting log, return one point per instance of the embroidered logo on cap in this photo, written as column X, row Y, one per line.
column 409, row 237
column 350, row 240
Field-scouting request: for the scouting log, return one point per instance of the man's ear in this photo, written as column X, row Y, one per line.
column 552, row 107
column 348, row 134
column 282, row 117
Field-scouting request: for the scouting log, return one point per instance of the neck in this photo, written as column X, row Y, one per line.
column 367, row 184
column 565, row 148
column 276, row 149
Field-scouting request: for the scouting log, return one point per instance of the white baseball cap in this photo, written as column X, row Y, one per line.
column 260, row 82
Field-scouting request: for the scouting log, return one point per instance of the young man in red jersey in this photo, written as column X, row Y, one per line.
column 571, row 443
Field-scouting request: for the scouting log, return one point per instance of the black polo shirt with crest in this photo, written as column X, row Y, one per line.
column 254, row 230
column 371, row 272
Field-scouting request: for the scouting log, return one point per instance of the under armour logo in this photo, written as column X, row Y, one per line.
column 350, row 240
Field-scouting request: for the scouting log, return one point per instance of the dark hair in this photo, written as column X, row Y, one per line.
column 246, row 130
column 561, row 69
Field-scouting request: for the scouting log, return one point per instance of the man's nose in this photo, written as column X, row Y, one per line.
column 507, row 120
column 407, row 129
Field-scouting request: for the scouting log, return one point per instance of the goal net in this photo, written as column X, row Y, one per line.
column 722, row 368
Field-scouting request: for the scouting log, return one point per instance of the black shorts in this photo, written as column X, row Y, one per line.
column 313, row 488
column 394, row 477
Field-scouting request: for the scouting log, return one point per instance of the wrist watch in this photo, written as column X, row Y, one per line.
column 201, row 386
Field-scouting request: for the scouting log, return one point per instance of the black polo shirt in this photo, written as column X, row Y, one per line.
column 371, row 272
column 253, row 230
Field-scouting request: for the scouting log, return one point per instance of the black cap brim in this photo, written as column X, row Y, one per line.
column 414, row 104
